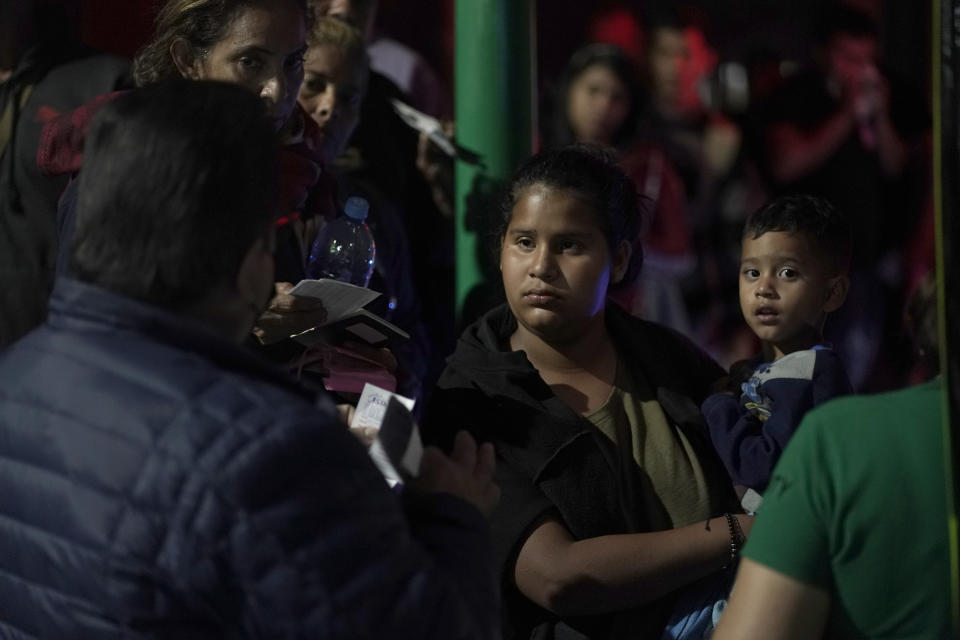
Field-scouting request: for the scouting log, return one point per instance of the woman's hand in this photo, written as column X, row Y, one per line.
column 437, row 169
column 287, row 315
column 466, row 474
column 345, row 413
column 366, row 435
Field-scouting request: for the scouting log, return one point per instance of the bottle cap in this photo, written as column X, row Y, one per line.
column 356, row 208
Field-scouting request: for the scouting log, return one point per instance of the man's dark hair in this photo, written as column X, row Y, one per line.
column 845, row 21
column 178, row 181
column 593, row 174
column 816, row 217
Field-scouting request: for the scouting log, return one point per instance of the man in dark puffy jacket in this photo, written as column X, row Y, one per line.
column 156, row 481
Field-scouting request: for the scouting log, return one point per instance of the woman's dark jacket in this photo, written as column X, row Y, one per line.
column 551, row 460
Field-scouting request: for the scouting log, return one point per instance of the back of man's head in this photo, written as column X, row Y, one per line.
column 178, row 182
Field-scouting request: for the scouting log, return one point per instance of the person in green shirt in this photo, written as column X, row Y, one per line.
column 852, row 541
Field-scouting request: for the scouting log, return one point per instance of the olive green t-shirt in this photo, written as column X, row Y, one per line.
column 674, row 488
column 857, row 506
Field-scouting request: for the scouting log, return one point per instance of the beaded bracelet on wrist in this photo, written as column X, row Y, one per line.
column 736, row 538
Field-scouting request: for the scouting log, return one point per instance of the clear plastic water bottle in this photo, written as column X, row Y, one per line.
column 344, row 249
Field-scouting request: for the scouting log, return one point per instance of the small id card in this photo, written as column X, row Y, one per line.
column 397, row 451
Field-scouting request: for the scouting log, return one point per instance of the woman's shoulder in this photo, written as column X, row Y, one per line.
column 478, row 371
column 629, row 330
column 481, row 346
column 668, row 357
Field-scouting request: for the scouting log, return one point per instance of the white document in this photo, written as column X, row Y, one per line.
column 339, row 298
column 372, row 405
column 397, row 451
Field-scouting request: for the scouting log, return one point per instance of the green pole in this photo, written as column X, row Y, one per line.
column 945, row 30
column 494, row 109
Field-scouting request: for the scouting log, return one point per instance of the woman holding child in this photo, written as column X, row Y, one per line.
column 613, row 501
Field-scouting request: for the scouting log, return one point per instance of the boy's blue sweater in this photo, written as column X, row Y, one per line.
column 751, row 432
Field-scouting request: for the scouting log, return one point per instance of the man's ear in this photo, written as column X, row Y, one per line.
column 255, row 276
column 837, row 288
column 184, row 59
column 621, row 260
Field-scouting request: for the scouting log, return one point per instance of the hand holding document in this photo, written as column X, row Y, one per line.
column 397, row 449
column 467, row 473
column 434, row 130
column 346, row 317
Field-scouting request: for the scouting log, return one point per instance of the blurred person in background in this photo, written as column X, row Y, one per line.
column 598, row 100
column 843, row 131
column 701, row 143
column 705, row 147
column 44, row 71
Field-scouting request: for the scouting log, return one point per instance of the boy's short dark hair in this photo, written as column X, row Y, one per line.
column 178, row 181
column 816, row 217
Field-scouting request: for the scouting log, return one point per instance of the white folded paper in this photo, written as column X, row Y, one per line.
column 398, row 449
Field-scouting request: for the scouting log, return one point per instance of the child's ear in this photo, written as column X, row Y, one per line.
column 621, row 260
column 837, row 288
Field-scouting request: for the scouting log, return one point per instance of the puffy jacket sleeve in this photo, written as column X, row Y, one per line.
column 320, row 547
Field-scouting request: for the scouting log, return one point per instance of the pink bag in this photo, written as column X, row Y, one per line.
column 342, row 370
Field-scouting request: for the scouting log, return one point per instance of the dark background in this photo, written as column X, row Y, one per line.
column 734, row 28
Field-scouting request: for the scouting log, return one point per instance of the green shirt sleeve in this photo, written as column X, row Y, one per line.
column 791, row 531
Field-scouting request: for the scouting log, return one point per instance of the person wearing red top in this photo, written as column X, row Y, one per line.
column 598, row 101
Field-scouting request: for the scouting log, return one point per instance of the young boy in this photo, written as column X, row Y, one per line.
column 793, row 272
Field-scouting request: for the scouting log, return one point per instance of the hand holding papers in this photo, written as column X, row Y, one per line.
column 433, row 129
column 397, row 449
column 346, row 317
column 399, row 454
